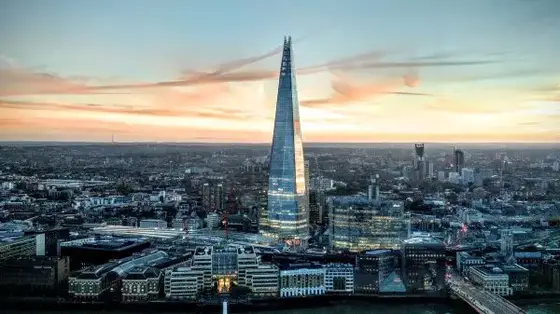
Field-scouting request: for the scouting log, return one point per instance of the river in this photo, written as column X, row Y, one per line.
column 350, row 309
column 410, row 309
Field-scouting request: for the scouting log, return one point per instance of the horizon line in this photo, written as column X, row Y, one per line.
column 269, row 143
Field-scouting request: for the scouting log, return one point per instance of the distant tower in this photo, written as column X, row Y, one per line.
column 113, row 138
column 506, row 243
column 420, row 171
column 458, row 159
column 373, row 188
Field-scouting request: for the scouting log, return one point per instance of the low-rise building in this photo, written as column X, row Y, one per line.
column 339, row 278
column 93, row 283
column 16, row 244
column 263, row 280
column 183, row 283
column 153, row 224
column 134, row 278
column 37, row 275
column 306, row 279
column 372, row 267
column 466, row 260
column 492, row 279
column 141, row 283
column 518, row 277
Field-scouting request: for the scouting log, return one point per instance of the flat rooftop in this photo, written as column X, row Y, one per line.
column 164, row 234
column 105, row 244
column 376, row 252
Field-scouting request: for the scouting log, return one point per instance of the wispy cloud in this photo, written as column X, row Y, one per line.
column 18, row 81
column 213, row 113
column 346, row 92
column 34, row 128
column 381, row 65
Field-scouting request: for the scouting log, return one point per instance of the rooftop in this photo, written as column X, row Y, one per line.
column 377, row 252
column 423, row 241
column 141, row 273
column 105, row 243
column 295, row 266
column 515, row 268
column 9, row 237
column 490, row 270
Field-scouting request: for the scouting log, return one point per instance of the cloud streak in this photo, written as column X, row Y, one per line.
column 382, row 65
column 212, row 113
column 345, row 92
column 17, row 82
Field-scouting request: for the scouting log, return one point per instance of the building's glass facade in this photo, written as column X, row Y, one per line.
column 357, row 224
column 287, row 216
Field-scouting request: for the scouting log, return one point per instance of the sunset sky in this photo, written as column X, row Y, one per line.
column 205, row 70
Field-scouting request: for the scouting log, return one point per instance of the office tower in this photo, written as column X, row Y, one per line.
column 420, row 170
column 506, row 243
column 424, row 264
column 372, row 268
column 286, row 218
column 213, row 196
column 458, row 160
column 357, row 224
column 467, row 175
column 430, row 173
column 317, row 205
column 373, row 188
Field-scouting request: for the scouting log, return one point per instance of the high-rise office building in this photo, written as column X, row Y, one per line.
column 506, row 242
column 287, row 217
column 424, row 264
column 213, row 196
column 458, row 160
column 420, row 165
column 317, row 207
column 357, row 224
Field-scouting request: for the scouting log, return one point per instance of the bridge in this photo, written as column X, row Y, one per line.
column 484, row 302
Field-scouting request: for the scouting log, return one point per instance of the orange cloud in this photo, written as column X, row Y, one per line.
column 201, row 112
column 344, row 92
column 16, row 81
column 33, row 128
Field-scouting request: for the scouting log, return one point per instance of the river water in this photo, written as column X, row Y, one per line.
column 410, row 309
column 390, row 308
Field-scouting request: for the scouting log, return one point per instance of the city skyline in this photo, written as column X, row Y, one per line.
column 186, row 72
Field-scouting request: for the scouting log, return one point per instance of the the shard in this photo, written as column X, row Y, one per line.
column 286, row 218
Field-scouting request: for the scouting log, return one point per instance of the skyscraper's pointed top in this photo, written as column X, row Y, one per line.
column 287, row 41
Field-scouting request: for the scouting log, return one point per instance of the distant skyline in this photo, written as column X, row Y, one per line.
column 205, row 71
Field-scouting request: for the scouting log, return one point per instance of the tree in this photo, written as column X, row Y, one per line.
column 124, row 189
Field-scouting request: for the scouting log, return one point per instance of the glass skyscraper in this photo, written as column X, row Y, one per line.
column 287, row 216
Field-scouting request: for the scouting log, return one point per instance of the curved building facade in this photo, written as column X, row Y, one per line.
column 286, row 218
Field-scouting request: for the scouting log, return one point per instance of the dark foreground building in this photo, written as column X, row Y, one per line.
column 90, row 252
column 424, row 265
column 34, row 276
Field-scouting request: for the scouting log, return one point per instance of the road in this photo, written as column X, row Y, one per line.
column 483, row 301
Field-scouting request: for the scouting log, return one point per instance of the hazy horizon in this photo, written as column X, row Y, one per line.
column 316, row 144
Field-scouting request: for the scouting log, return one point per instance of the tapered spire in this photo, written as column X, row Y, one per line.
column 286, row 217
